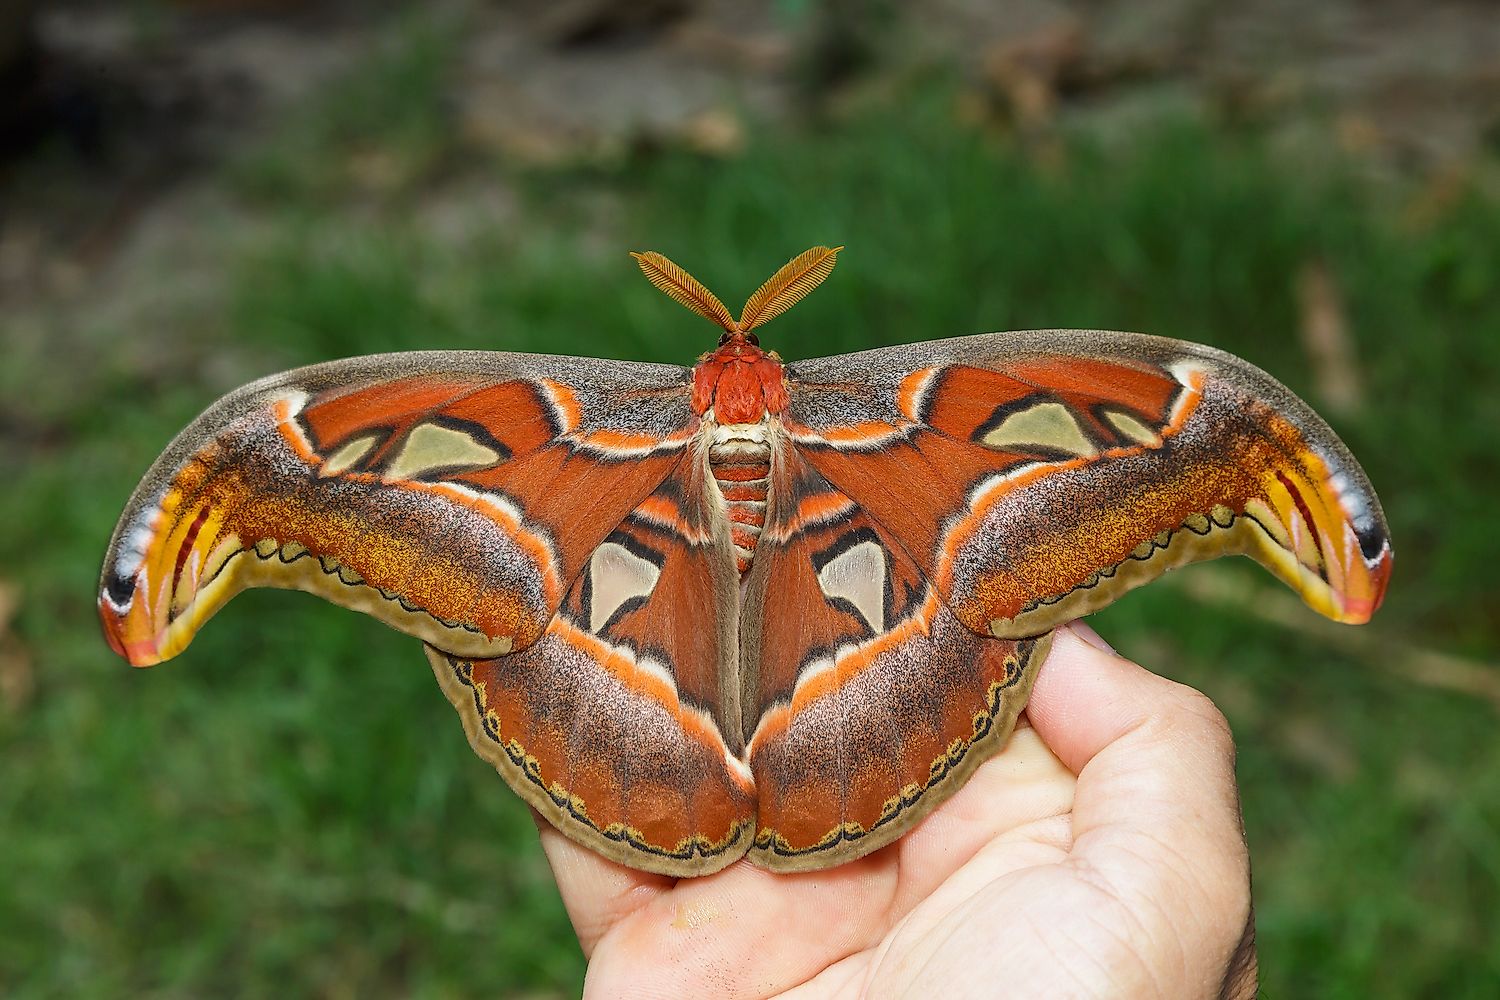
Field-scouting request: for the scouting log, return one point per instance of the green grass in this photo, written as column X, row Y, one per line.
column 291, row 808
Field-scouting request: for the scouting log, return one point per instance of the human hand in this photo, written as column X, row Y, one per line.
column 1100, row 854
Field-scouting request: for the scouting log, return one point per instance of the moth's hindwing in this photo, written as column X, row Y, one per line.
column 868, row 702
column 620, row 724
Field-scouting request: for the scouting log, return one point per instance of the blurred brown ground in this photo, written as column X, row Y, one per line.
column 143, row 98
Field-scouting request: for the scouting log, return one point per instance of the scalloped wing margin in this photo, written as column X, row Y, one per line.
column 621, row 724
column 868, row 703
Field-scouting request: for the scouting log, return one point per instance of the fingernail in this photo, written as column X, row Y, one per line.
column 1088, row 635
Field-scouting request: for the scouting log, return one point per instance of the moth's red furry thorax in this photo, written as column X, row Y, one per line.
column 740, row 382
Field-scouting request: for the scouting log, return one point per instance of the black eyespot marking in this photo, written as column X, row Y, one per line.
column 1372, row 540
column 119, row 589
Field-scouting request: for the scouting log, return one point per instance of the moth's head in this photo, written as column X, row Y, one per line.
column 737, row 348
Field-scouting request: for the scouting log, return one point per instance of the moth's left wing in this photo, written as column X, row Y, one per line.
column 1036, row 476
column 453, row 495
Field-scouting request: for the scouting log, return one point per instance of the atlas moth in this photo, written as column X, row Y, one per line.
column 749, row 607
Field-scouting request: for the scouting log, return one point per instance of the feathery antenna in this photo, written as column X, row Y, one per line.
column 683, row 287
column 782, row 290
column 788, row 286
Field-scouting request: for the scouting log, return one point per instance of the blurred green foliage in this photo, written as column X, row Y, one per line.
column 289, row 808
column 391, row 107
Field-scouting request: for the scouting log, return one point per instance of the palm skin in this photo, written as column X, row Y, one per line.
column 1100, row 854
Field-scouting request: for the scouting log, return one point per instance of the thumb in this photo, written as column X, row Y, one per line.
column 1087, row 697
column 1156, row 814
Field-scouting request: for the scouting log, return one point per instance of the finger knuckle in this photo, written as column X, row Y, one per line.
column 1191, row 713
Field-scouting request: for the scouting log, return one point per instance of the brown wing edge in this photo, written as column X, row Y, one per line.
column 950, row 772
column 696, row 857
